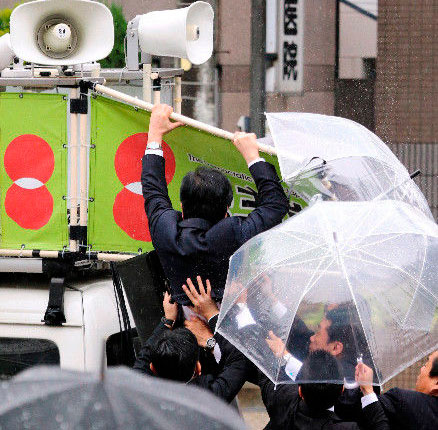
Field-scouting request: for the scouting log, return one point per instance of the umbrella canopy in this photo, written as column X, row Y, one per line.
column 339, row 159
column 50, row 398
column 358, row 279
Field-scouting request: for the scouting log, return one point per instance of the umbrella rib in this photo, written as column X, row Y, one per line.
column 409, row 363
column 416, row 290
column 388, row 308
column 292, row 234
column 344, row 270
column 388, row 265
column 283, row 263
column 233, row 302
column 391, row 236
column 361, row 224
column 394, row 188
column 393, row 266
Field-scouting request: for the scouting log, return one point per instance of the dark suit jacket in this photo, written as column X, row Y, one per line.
column 405, row 409
column 194, row 246
column 288, row 411
column 226, row 383
column 408, row 409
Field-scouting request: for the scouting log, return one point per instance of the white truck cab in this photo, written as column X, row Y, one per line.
column 92, row 321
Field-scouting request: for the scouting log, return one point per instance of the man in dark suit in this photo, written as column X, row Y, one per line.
column 310, row 406
column 338, row 333
column 175, row 354
column 405, row 409
column 200, row 239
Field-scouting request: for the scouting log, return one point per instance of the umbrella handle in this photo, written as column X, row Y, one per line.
column 215, row 131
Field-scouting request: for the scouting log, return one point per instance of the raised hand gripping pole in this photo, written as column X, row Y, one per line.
column 175, row 116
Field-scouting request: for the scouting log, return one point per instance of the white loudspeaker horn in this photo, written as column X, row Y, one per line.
column 185, row 33
column 6, row 53
column 62, row 32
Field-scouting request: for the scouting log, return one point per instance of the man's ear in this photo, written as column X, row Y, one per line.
column 151, row 366
column 434, row 390
column 198, row 368
column 336, row 348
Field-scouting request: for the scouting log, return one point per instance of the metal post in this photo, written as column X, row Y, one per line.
column 83, row 211
column 156, row 88
column 73, row 170
column 258, row 67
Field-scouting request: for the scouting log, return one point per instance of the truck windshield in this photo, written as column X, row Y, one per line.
column 17, row 354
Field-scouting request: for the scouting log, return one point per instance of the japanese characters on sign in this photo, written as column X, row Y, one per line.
column 290, row 69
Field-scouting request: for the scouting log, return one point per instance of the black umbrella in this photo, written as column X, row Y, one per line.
column 50, row 398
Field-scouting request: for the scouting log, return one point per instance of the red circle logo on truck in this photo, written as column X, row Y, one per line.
column 29, row 162
column 128, row 209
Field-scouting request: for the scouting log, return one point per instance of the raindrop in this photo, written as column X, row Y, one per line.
column 97, row 406
column 59, row 418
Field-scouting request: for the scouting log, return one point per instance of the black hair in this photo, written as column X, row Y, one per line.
column 175, row 354
column 434, row 370
column 205, row 193
column 345, row 328
column 320, row 366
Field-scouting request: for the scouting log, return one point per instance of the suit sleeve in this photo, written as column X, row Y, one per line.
column 232, row 369
column 279, row 401
column 272, row 203
column 154, row 187
column 375, row 417
column 144, row 356
column 392, row 404
column 230, row 379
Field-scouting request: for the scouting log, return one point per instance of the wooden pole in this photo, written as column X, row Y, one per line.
column 175, row 116
column 178, row 95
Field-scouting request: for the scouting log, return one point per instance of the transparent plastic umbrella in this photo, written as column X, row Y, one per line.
column 339, row 159
column 50, row 398
column 358, row 279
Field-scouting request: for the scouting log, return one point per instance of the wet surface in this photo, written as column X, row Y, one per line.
column 252, row 408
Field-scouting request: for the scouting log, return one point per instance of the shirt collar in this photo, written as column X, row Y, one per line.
column 198, row 223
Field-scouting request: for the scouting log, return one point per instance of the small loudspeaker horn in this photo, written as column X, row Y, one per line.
column 6, row 53
column 184, row 33
column 62, row 32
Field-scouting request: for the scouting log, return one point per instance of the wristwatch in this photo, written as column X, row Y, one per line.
column 167, row 322
column 211, row 343
column 153, row 145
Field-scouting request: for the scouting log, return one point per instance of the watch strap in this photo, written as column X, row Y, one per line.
column 167, row 321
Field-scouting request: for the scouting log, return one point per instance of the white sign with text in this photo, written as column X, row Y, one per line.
column 290, row 50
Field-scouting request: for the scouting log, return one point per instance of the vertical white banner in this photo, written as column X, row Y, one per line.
column 291, row 46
